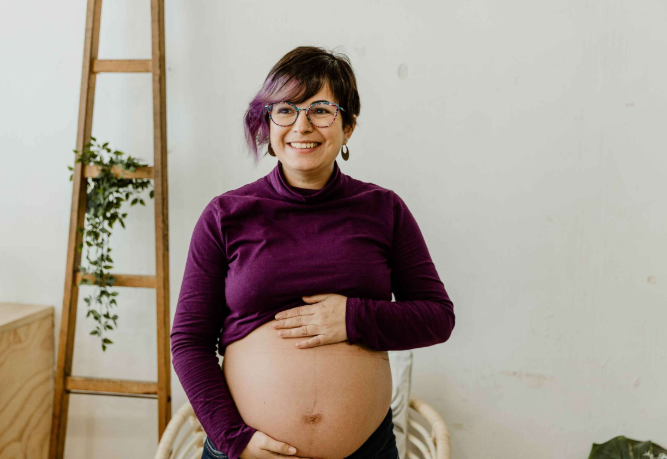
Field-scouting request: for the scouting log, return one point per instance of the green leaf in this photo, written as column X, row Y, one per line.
column 625, row 448
column 105, row 194
column 107, row 341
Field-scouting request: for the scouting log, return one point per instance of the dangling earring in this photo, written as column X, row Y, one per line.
column 271, row 150
column 345, row 154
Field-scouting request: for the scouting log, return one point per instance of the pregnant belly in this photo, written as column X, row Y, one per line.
column 325, row 401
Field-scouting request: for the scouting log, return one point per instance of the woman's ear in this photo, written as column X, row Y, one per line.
column 350, row 129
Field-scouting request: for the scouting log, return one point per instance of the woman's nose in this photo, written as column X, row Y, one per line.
column 302, row 124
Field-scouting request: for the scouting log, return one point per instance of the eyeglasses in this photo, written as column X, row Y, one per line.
column 320, row 114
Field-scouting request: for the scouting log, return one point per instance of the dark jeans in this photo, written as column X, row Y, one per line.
column 380, row 445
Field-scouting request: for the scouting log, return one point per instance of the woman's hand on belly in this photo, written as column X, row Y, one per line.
column 323, row 319
column 262, row 446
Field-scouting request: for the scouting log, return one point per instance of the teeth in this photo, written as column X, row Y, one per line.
column 304, row 145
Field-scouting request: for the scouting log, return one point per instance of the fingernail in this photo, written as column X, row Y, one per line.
column 292, row 450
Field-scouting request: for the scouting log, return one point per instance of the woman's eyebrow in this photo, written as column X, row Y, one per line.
column 317, row 101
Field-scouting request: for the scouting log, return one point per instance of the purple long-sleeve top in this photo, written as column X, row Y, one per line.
column 256, row 250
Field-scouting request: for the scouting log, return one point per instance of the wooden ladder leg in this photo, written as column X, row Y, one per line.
column 77, row 218
column 161, row 215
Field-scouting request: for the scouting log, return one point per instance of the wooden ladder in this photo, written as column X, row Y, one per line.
column 65, row 383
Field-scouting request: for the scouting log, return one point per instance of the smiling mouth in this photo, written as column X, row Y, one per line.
column 304, row 145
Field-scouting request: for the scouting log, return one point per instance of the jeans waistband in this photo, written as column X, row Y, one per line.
column 377, row 440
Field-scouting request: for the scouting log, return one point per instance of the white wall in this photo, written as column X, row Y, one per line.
column 527, row 138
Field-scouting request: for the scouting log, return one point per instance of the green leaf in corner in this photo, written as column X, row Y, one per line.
column 625, row 448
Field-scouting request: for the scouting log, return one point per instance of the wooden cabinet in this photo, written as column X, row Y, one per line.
column 26, row 380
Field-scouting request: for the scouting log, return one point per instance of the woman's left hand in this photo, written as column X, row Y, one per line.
column 323, row 319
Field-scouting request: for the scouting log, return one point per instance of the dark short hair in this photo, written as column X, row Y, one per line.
column 298, row 76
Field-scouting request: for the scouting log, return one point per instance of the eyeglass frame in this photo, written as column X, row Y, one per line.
column 299, row 110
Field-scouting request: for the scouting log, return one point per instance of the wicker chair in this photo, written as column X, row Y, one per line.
column 429, row 439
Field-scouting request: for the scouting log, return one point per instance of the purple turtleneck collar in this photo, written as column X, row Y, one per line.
column 277, row 181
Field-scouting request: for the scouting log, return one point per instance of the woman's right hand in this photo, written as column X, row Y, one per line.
column 262, row 446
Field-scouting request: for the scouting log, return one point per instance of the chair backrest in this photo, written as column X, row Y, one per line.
column 401, row 376
column 184, row 436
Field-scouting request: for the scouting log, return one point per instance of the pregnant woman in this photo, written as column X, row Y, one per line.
column 291, row 277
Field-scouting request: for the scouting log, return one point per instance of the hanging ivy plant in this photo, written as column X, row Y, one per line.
column 105, row 196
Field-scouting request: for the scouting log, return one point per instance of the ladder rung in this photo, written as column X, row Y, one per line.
column 119, row 387
column 140, row 173
column 121, row 65
column 123, row 280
